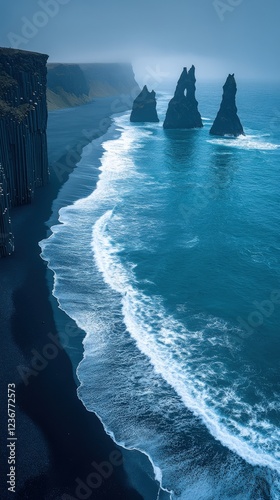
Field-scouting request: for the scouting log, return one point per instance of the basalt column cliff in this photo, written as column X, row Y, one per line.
column 6, row 235
column 227, row 121
column 182, row 110
column 23, row 122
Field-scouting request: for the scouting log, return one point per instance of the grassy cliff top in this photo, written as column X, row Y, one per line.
column 13, row 63
column 15, row 113
column 22, row 60
column 8, row 52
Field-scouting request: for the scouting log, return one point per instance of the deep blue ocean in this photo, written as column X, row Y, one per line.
column 171, row 267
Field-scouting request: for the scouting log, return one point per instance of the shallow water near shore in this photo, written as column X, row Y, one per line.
column 171, row 267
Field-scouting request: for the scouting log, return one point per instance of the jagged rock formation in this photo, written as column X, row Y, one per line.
column 144, row 107
column 75, row 84
column 23, row 122
column 183, row 108
column 227, row 121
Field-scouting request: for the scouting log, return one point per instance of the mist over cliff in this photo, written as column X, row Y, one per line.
column 75, row 84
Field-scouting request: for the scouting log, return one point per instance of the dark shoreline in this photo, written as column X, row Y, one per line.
column 57, row 438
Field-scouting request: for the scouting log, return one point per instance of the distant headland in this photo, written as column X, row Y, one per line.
column 72, row 85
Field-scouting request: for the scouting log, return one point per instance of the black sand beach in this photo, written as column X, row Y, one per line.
column 57, row 439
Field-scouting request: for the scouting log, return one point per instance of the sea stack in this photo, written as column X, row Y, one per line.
column 227, row 121
column 144, row 107
column 23, row 123
column 183, row 108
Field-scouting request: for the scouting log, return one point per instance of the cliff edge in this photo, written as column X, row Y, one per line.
column 23, row 123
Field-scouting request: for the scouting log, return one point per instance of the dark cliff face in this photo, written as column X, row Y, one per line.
column 144, row 107
column 23, row 123
column 183, row 108
column 6, row 235
column 227, row 121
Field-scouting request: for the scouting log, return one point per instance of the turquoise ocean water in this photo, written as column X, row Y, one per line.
column 171, row 267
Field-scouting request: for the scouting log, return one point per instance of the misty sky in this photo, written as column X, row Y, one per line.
column 218, row 36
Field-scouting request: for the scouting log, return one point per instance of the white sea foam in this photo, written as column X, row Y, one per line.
column 111, row 171
column 156, row 335
column 247, row 142
column 192, row 243
column 157, row 470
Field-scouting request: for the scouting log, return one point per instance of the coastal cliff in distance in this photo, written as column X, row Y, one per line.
column 144, row 107
column 227, row 121
column 75, row 84
column 66, row 86
column 182, row 110
column 23, row 142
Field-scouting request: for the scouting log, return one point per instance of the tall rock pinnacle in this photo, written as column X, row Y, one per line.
column 144, row 107
column 227, row 121
column 182, row 110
